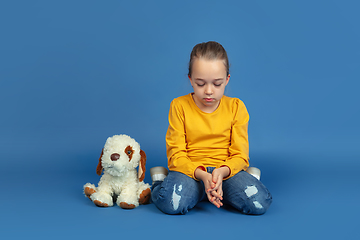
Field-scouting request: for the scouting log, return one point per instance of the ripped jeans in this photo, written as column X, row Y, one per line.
column 179, row 193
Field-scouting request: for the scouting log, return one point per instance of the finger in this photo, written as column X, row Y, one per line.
column 210, row 197
column 216, row 194
column 218, row 182
column 215, row 202
column 215, row 178
column 209, row 185
column 215, row 188
column 218, row 203
column 220, row 191
column 212, row 188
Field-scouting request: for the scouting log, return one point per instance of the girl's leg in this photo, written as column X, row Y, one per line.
column 247, row 194
column 177, row 194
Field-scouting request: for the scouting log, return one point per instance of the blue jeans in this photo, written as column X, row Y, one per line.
column 179, row 193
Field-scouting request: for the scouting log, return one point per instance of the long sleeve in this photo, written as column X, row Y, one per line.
column 178, row 159
column 239, row 145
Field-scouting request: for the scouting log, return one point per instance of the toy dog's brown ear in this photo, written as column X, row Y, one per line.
column 99, row 167
column 141, row 172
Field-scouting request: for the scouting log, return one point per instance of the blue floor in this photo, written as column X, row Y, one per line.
column 315, row 196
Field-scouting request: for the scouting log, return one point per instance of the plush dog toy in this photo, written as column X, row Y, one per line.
column 121, row 182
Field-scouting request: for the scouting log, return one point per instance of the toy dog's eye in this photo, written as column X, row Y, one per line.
column 129, row 151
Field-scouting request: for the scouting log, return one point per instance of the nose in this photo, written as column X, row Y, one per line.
column 208, row 89
column 115, row 156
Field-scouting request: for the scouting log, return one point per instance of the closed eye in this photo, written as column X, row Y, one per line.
column 217, row 82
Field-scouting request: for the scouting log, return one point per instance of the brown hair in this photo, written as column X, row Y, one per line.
column 210, row 51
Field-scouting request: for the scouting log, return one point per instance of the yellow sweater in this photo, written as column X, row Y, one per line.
column 198, row 139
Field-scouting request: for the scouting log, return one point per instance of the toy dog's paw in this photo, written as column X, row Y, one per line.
column 102, row 199
column 89, row 189
column 100, row 204
column 145, row 196
column 124, row 205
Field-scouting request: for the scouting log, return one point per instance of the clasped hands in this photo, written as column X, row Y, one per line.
column 213, row 183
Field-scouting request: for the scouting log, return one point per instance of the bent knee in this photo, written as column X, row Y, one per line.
column 259, row 204
column 256, row 208
column 254, row 200
column 170, row 201
column 171, row 206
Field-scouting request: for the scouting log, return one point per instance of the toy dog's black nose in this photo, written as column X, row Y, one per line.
column 115, row 157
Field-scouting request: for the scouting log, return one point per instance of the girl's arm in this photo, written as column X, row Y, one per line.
column 176, row 143
column 239, row 147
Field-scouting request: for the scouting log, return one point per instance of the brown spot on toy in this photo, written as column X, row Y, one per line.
column 129, row 151
column 115, row 156
column 88, row 191
column 127, row 206
column 142, row 163
column 145, row 196
column 99, row 167
column 100, row 204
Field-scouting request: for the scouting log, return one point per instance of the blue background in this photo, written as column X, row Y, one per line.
column 73, row 73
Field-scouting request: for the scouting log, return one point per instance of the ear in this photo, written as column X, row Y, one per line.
column 227, row 80
column 141, row 172
column 99, row 167
column 191, row 82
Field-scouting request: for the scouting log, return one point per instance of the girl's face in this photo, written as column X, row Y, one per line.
column 208, row 79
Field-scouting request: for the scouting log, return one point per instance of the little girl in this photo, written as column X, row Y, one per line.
column 207, row 144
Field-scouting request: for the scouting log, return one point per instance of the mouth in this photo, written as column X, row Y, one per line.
column 209, row 99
